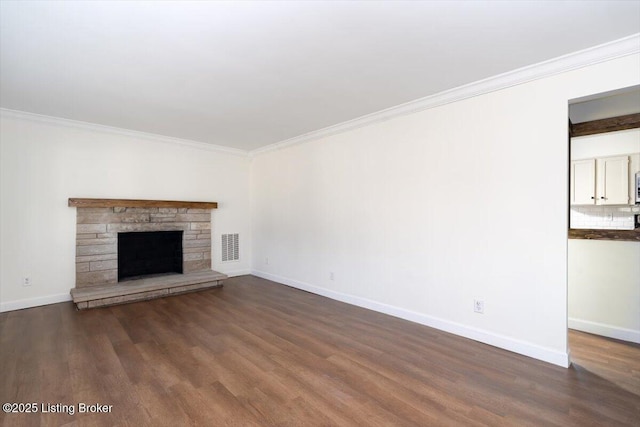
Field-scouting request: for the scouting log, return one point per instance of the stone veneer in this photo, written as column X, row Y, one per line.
column 97, row 238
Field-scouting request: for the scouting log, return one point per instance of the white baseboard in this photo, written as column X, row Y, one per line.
column 521, row 347
column 605, row 330
column 234, row 273
column 33, row 302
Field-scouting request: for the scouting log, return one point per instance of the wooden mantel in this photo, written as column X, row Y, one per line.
column 128, row 203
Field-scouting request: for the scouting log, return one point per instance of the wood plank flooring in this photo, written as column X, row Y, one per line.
column 258, row 353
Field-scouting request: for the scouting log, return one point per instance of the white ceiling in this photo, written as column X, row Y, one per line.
column 249, row 74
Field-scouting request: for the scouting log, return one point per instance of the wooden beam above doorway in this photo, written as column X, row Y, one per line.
column 629, row 121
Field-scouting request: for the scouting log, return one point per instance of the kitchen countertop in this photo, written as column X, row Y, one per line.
column 590, row 234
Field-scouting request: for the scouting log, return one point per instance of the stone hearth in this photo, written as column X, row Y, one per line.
column 143, row 289
column 98, row 223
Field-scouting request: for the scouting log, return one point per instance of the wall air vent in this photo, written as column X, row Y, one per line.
column 230, row 247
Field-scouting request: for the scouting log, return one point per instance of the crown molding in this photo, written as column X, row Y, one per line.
column 5, row 112
column 616, row 49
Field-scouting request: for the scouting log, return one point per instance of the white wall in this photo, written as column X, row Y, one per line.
column 44, row 163
column 418, row 215
column 604, row 288
column 605, row 144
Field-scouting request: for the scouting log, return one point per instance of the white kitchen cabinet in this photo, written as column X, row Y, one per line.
column 601, row 181
column 583, row 182
column 613, row 180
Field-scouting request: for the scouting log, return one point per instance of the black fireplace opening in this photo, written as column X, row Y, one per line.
column 146, row 253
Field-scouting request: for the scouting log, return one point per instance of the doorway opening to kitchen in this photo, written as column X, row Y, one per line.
column 604, row 209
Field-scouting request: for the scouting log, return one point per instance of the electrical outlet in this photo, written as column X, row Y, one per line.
column 478, row 306
column 266, row 260
column 26, row 281
column 331, row 275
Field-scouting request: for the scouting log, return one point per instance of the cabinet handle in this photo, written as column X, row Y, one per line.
column 602, row 197
column 592, row 197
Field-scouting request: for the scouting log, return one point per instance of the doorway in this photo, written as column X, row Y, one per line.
column 604, row 233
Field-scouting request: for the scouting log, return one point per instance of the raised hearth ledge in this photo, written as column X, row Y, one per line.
column 117, row 203
column 144, row 289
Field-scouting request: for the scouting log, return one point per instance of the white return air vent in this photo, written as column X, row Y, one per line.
column 230, row 247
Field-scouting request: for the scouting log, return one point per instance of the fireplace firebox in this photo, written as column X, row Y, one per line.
column 146, row 253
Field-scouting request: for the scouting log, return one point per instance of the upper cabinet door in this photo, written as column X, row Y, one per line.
column 583, row 182
column 613, row 180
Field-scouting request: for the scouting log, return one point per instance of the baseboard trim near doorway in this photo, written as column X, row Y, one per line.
column 487, row 337
column 605, row 330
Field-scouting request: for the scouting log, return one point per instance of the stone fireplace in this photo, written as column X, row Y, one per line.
column 103, row 224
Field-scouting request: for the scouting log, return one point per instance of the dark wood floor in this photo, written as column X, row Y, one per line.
column 259, row 353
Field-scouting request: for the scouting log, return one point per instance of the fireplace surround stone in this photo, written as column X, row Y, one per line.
column 97, row 226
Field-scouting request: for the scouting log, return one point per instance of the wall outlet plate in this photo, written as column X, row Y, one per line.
column 478, row 306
